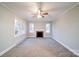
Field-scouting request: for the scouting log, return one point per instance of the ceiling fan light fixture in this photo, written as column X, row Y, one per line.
column 39, row 16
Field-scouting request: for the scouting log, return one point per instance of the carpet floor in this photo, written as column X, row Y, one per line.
column 39, row 47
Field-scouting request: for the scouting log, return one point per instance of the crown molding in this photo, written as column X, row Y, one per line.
column 68, row 9
column 12, row 11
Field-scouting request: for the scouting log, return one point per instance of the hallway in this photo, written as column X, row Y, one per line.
column 39, row 47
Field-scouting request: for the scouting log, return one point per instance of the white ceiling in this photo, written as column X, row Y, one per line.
column 25, row 10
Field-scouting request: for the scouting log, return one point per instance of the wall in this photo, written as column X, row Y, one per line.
column 7, row 38
column 66, row 30
column 39, row 26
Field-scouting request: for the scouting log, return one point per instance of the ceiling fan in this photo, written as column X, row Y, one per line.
column 40, row 13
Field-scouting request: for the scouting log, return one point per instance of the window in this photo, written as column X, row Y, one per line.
column 47, row 28
column 19, row 28
column 31, row 27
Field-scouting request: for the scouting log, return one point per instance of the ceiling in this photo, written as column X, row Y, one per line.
column 25, row 10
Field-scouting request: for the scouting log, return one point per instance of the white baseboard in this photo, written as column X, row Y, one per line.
column 3, row 52
column 9, row 48
column 73, row 51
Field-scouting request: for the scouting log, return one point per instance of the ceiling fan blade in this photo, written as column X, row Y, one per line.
column 45, row 13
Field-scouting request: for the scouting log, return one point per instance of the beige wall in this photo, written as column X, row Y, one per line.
column 7, row 38
column 66, row 29
column 40, row 26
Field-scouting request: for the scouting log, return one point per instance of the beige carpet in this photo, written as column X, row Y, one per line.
column 39, row 47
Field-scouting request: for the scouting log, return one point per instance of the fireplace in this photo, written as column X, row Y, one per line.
column 39, row 34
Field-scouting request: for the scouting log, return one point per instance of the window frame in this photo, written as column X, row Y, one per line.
column 31, row 28
column 18, row 27
column 48, row 28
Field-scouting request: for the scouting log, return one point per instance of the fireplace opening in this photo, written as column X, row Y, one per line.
column 39, row 34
